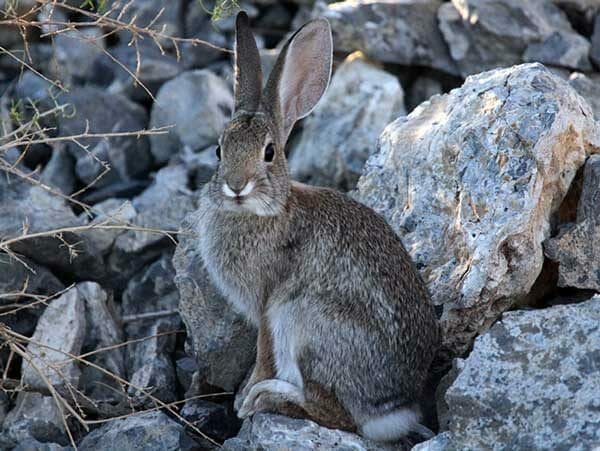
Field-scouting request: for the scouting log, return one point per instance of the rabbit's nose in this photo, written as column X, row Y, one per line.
column 238, row 189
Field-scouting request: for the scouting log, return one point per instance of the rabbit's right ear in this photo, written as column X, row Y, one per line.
column 248, row 73
column 300, row 75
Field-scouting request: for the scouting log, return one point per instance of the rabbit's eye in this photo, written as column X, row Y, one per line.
column 218, row 152
column 269, row 153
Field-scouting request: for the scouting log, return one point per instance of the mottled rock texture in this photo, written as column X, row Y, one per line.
column 470, row 180
column 531, row 382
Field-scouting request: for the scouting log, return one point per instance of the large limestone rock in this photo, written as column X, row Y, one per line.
column 275, row 432
column 469, row 180
column 531, row 382
column 486, row 34
column 397, row 31
column 220, row 339
column 338, row 136
column 577, row 246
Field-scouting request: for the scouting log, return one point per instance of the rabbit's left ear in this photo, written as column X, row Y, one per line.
column 248, row 73
column 300, row 75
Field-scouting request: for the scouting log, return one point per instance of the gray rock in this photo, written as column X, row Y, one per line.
column 34, row 417
column 111, row 212
column 564, row 49
column 104, row 112
column 577, row 247
column 595, row 50
column 422, row 89
column 162, row 206
column 103, row 330
column 151, row 366
column 59, row 173
column 470, row 179
column 60, row 331
column 403, row 32
column 337, row 138
column 220, row 339
column 268, row 432
column 486, row 34
column 198, row 104
column 589, row 89
column 185, row 368
column 75, row 52
column 154, row 69
column 582, row 12
column 150, row 362
column 14, row 278
column 4, row 405
column 531, row 382
column 440, row 442
column 34, row 445
column 146, row 432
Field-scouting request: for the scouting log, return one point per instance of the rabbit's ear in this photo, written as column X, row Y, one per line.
column 300, row 75
column 248, row 73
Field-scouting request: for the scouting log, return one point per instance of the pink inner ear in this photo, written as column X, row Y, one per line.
column 306, row 71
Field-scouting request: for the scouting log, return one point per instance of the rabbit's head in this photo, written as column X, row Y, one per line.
column 252, row 176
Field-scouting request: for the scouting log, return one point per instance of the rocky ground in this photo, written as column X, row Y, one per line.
column 469, row 125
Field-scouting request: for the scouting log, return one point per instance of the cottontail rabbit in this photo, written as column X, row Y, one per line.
column 346, row 331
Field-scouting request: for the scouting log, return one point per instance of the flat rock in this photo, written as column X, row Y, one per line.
column 145, row 432
column 588, row 87
column 220, row 339
column 531, row 382
column 487, row 34
column 196, row 124
column 60, row 331
column 268, row 432
column 469, row 180
column 398, row 31
column 337, row 138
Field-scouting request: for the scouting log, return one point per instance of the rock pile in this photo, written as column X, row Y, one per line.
column 470, row 125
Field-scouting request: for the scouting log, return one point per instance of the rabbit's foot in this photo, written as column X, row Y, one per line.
column 267, row 395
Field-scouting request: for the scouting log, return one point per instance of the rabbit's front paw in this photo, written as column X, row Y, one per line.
column 267, row 394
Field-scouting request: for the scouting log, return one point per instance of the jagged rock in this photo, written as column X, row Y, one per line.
column 162, row 206
column 338, row 136
column 198, row 122
column 104, row 112
column 220, row 339
column 486, row 34
column 34, row 445
column 59, row 172
column 440, row 442
column 577, row 247
column 155, row 68
column 146, row 432
column 150, row 363
column 211, row 418
column 470, row 179
column 151, row 367
column 580, row 12
column 422, row 89
column 102, row 330
column 185, row 368
column 589, row 89
column 60, row 331
column 23, row 205
column 268, row 432
column 403, row 32
column 34, row 417
column 531, row 382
